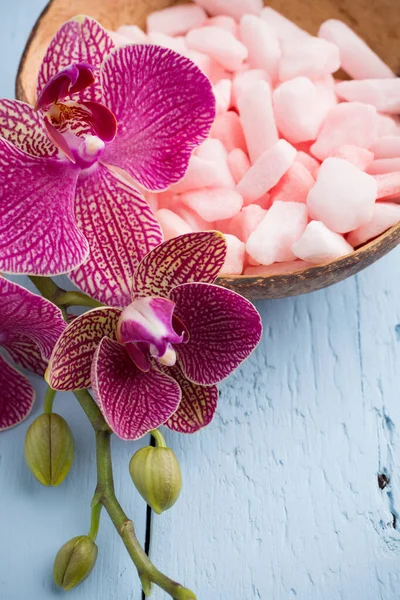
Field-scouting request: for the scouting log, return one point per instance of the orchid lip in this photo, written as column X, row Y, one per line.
column 74, row 78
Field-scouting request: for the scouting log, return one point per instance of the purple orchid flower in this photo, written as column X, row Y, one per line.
column 104, row 118
column 158, row 361
column 29, row 328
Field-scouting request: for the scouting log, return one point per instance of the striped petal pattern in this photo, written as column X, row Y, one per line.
column 16, row 396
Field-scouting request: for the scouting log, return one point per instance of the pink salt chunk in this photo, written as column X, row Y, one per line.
column 171, row 224
column 384, row 94
column 231, row 8
column 257, row 117
column 215, row 152
column 176, row 20
column 309, row 162
column 224, row 22
column 360, row 157
column 351, row 123
column 387, row 125
column 236, row 250
column 284, row 29
column 177, row 44
column 204, row 173
column 384, row 165
column 247, row 221
column 221, row 45
column 228, row 129
column 267, row 171
column 387, row 147
column 356, row 57
column 223, row 95
column 318, row 244
column 201, row 60
column 388, row 184
column 152, row 201
column 194, row 221
column 243, row 79
column 309, row 57
column 214, row 204
column 326, row 88
column 299, row 112
column 119, row 39
column 283, row 225
column 262, row 45
column 385, row 215
column 343, row 196
column 133, row 33
column 294, row 185
column 238, row 163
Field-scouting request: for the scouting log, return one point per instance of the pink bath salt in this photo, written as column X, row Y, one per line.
column 247, row 221
column 221, row 45
column 265, row 201
column 309, row 162
column 203, row 61
column 152, row 201
column 385, row 215
column 294, row 185
column 258, row 120
column 343, row 196
column 326, row 88
column 225, row 22
column 231, row 8
column 119, row 39
column 239, row 164
column 387, row 125
column 387, row 147
column 223, row 95
column 215, row 152
column 299, row 113
column 381, row 166
column 171, row 224
column 228, row 129
column 176, row 20
column 349, row 123
column 236, row 250
column 356, row 57
column 283, row 28
column 384, row 94
column 267, row 171
column 204, row 173
column 193, row 219
column 283, row 225
column 213, row 204
column 318, row 244
column 133, row 33
column 177, row 44
column 360, row 157
column 167, row 199
column 388, row 185
column 243, row 79
column 308, row 57
column 262, row 44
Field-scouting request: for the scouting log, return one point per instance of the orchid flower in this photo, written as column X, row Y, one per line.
column 104, row 119
column 29, row 328
column 158, row 361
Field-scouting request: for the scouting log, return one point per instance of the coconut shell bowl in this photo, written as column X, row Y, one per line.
column 378, row 23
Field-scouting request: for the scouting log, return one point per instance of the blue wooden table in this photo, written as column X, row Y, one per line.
column 281, row 497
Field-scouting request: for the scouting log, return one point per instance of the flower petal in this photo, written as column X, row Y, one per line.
column 197, row 407
column 29, row 326
column 120, row 228
column 184, row 259
column 71, row 361
column 80, row 40
column 23, row 127
column 164, row 106
column 38, row 232
column 74, row 78
column 224, row 330
column 132, row 402
column 16, row 396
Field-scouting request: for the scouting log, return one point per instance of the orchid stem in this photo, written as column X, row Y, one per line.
column 95, row 520
column 61, row 298
column 48, row 400
column 77, row 299
column 159, row 438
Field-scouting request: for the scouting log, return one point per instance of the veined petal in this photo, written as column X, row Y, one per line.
column 71, row 361
column 164, row 106
column 84, row 118
column 74, row 78
column 224, row 330
column 80, row 40
column 184, row 259
column 120, row 228
column 197, row 407
column 38, row 231
column 132, row 402
column 16, row 396
column 23, row 127
column 29, row 326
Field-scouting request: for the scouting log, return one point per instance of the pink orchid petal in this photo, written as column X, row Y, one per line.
column 23, row 127
column 120, row 228
column 224, row 330
column 197, row 407
column 59, row 140
column 29, row 326
column 164, row 106
column 132, row 402
column 16, row 396
column 71, row 361
column 184, row 259
column 74, row 78
column 38, row 232
column 84, row 118
column 80, row 40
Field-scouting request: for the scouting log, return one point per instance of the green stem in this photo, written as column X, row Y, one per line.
column 91, row 409
column 95, row 520
column 48, row 400
column 159, row 438
column 78, row 299
column 60, row 297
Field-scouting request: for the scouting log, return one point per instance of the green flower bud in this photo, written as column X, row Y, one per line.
column 49, row 449
column 157, row 477
column 74, row 562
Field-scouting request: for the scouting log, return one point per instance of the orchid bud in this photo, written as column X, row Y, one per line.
column 49, row 449
column 157, row 477
column 74, row 562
